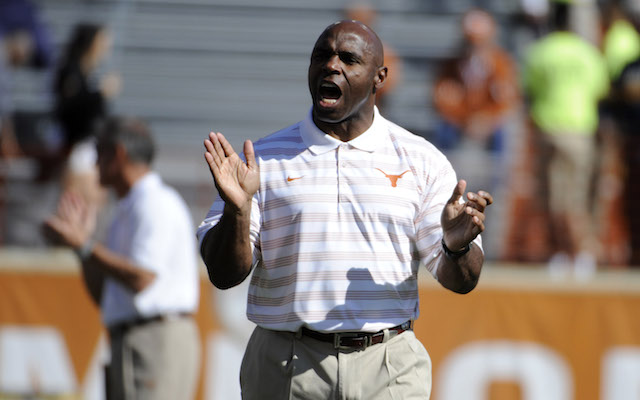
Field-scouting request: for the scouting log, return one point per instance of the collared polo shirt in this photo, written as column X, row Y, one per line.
column 152, row 227
column 339, row 229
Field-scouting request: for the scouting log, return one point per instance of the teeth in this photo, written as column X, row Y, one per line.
column 330, row 101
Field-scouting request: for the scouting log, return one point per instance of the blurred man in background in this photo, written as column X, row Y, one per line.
column 144, row 277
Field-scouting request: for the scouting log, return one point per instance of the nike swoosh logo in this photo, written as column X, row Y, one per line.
column 289, row 179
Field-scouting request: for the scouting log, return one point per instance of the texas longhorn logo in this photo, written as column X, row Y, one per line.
column 393, row 178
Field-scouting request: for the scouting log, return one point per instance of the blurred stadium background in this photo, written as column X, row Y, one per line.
column 240, row 67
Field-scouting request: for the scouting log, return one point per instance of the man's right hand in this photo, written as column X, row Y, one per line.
column 74, row 223
column 235, row 180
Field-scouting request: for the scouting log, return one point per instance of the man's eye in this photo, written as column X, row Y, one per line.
column 348, row 58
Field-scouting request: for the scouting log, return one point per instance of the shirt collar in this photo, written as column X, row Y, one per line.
column 319, row 142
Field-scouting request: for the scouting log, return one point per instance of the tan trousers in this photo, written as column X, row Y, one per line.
column 154, row 361
column 285, row 365
column 568, row 163
column 571, row 161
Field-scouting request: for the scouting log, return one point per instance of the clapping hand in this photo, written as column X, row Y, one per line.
column 236, row 180
column 74, row 222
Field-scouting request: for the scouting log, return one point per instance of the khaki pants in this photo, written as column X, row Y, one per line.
column 154, row 361
column 570, row 161
column 285, row 365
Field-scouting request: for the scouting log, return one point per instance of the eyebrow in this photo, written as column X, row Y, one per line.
column 325, row 49
column 351, row 54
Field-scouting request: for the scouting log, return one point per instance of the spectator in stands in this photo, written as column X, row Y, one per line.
column 23, row 15
column 25, row 43
column 28, row 40
column 564, row 79
column 334, row 215
column 624, row 107
column 80, row 106
column 11, row 50
column 145, row 276
column 24, row 198
column 475, row 95
column 526, row 23
column 16, row 48
column 476, row 89
column 620, row 46
column 364, row 12
column 534, row 14
column 621, row 41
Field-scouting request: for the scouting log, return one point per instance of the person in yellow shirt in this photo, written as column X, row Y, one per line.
column 564, row 79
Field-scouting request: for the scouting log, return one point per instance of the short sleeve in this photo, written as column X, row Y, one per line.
column 428, row 226
column 215, row 213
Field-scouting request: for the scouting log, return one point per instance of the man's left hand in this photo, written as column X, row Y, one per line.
column 463, row 221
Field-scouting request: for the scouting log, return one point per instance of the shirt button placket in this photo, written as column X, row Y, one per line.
column 341, row 165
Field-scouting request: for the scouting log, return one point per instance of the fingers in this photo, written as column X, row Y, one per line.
column 487, row 196
column 465, row 220
column 221, row 145
column 225, row 145
column 479, row 222
column 249, row 154
column 458, row 191
column 214, row 148
column 477, row 215
column 476, row 201
column 71, row 206
column 214, row 154
column 210, row 156
column 218, row 149
column 476, row 205
column 479, row 200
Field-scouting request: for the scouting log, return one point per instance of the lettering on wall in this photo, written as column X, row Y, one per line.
column 469, row 370
column 35, row 360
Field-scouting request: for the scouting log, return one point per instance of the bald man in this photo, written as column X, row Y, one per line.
column 333, row 216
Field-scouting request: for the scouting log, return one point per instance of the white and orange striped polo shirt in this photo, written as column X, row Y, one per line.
column 339, row 229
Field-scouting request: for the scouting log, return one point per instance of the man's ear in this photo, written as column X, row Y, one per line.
column 381, row 76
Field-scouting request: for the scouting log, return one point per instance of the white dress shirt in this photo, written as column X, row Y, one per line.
column 152, row 227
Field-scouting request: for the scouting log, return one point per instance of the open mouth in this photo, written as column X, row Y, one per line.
column 329, row 93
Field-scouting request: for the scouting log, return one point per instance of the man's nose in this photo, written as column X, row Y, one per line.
column 333, row 63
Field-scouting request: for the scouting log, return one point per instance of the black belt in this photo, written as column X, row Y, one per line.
column 356, row 340
column 126, row 325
